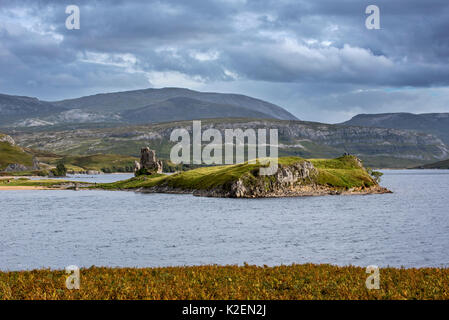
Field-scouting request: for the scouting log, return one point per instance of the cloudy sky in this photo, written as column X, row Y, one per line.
column 315, row 58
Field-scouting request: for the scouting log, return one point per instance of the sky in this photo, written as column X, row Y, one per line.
column 315, row 58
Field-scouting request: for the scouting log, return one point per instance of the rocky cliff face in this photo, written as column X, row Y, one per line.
column 433, row 123
column 286, row 179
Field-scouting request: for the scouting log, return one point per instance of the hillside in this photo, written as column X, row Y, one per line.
column 99, row 162
column 378, row 147
column 131, row 100
column 433, row 123
column 10, row 153
column 437, row 165
column 14, row 108
column 181, row 108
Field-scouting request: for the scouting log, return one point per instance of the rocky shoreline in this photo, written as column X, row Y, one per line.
column 301, row 191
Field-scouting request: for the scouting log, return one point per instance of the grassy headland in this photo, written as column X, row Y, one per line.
column 292, row 282
column 339, row 174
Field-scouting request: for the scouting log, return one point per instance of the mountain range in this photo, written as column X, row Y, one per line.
column 134, row 107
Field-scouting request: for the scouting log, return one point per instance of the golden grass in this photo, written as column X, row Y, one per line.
column 228, row 282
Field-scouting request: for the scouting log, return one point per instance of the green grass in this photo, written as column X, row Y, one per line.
column 10, row 154
column 344, row 178
column 25, row 182
column 343, row 172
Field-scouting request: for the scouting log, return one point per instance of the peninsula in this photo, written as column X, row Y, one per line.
column 294, row 177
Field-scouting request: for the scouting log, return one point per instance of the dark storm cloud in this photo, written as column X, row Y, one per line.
column 314, row 57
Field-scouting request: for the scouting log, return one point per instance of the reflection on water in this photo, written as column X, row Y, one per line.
column 59, row 228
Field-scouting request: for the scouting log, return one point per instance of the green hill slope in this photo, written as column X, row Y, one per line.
column 99, row 162
column 13, row 154
column 437, row 165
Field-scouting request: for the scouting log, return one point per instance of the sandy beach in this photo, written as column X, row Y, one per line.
column 24, row 188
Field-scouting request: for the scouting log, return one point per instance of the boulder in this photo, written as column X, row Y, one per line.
column 136, row 166
column 93, row 172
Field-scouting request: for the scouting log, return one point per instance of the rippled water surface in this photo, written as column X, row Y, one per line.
column 58, row 228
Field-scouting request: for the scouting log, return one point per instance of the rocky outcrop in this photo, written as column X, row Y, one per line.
column 93, row 172
column 7, row 139
column 36, row 164
column 149, row 161
column 286, row 178
column 15, row 167
column 136, row 166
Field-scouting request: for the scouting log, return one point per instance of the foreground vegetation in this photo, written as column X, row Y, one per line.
column 228, row 282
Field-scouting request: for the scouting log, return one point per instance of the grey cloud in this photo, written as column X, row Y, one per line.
column 309, row 56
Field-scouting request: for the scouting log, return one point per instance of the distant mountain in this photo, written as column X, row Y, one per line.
column 14, row 108
column 434, row 123
column 130, row 100
column 181, row 108
column 139, row 106
column 437, row 165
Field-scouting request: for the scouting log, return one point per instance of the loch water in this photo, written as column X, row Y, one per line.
column 54, row 229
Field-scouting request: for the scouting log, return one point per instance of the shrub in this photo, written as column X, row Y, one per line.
column 60, row 171
column 376, row 175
